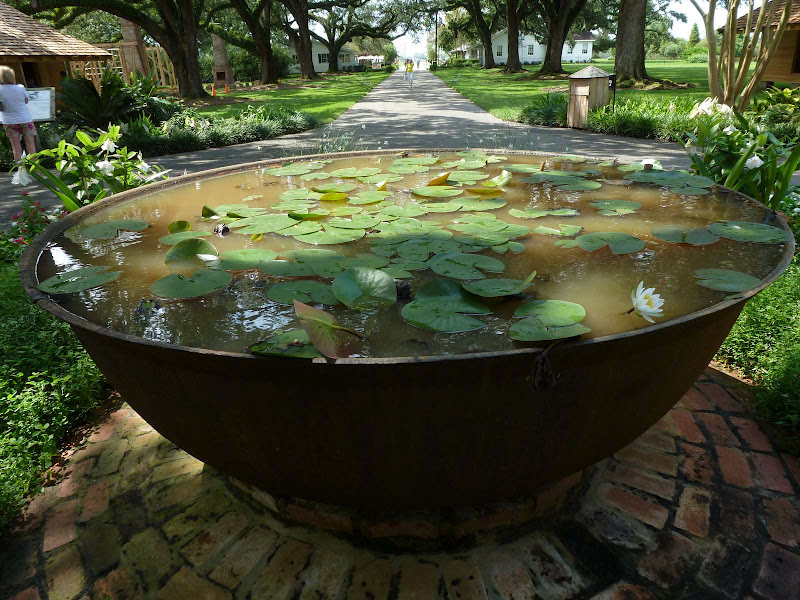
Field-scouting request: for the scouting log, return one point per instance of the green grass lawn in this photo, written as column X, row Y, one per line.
column 325, row 99
column 506, row 95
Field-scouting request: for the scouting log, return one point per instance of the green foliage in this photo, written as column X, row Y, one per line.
column 548, row 109
column 26, row 224
column 655, row 117
column 765, row 345
column 187, row 131
column 49, row 384
column 694, row 36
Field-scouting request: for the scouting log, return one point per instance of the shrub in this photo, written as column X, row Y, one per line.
column 49, row 384
column 547, row 109
column 660, row 118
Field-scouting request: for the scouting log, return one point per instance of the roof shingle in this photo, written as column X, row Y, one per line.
column 24, row 37
column 794, row 16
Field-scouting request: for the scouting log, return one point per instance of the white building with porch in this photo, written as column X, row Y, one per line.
column 321, row 58
column 531, row 51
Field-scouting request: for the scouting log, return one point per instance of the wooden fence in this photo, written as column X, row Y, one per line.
column 160, row 66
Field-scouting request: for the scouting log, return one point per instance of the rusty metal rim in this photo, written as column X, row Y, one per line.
column 29, row 261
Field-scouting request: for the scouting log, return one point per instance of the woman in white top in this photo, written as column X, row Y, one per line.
column 14, row 114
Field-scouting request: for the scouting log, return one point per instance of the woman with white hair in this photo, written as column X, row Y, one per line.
column 14, row 114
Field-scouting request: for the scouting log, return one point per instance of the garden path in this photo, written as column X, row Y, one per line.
column 701, row 506
column 431, row 115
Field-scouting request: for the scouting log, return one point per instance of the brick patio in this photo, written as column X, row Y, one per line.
column 701, row 506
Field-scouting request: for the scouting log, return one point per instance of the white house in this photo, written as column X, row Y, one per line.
column 320, row 56
column 531, row 51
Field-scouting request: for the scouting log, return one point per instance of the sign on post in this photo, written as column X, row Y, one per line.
column 42, row 103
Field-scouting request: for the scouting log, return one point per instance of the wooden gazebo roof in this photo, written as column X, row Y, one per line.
column 25, row 38
column 794, row 16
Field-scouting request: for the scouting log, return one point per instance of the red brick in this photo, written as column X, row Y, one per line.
column 319, row 515
column 669, row 561
column 736, row 512
column 718, row 428
column 34, row 513
column 249, row 551
column 751, row 434
column 95, row 502
column 720, row 397
column 185, row 584
column 641, row 480
column 644, row 510
column 657, row 441
column 649, row 459
column 694, row 511
column 694, row 400
column 463, row 580
column 779, row 578
column 74, row 478
column 281, row 576
column 216, row 535
column 696, row 464
column 511, row 578
column 60, row 526
column 108, row 426
column 783, row 521
column 685, row 426
column 29, row 594
column 794, row 466
column 734, row 466
column 741, row 393
column 771, row 473
column 120, row 584
column 623, row 590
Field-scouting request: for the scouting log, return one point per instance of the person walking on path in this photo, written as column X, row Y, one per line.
column 410, row 73
column 14, row 114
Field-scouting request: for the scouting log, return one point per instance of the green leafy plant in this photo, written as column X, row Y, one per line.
column 89, row 171
column 547, row 109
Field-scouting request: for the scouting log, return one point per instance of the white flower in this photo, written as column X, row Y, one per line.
column 796, row 211
column 21, row 177
column 363, row 127
column 646, row 304
column 729, row 129
column 104, row 166
column 108, row 146
column 144, row 167
column 753, row 162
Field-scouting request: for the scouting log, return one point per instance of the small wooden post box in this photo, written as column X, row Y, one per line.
column 588, row 88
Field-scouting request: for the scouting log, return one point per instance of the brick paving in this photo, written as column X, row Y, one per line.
column 701, row 506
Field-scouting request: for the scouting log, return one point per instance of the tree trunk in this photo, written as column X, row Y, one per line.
column 629, row 58
column 333, row 58
column 513, row 18
column 556, row 36
column 488, row 61
column 269, row 70
column 485, row 33
column 302, row 37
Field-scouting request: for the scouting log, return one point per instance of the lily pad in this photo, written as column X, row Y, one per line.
column 293, row 343
column 247, row 211
column 525, row 168
column 436, row 191
column 363, row 288
column 481, row 204
column 671, row 179
column 263, row 224
column 286, row 268
column 495, row 288
column 552, row 313
column 420, row 249
column 537, row 213
column 300, row 193
column 203, row 282
column 501, row 180
column 179, row 227
column 465, row 163
column 580, row 186
column 315, row 176
column 465, row 266
column 333, row 197
column 417, row 160
column 745, row 231
column 345, row 211
column 565, row 243
column 190, row 248
column 324, row 331
column 301, row 228
column 290, row 170
column 407, row 169
column 465, row 177
column 439, row 314
column 369, row 197
column 304, row 290
column 616, row 208
column 353, row 172
column 328, row 188
column 309, row 214
column 514, row 247
column 532, row 329
column 689, row 191
column 78, row 280
column 699, row 236
column 396, row 273
column 241, row 260
column 562, row 231
column 332, row 235
column 409, row 265
column 294, row 205
column 380, row 178
column 410, row 209
column 726, row 280
column 442, row 207
column 619, row 243
column 355, row 222
column 174, row 238
column 110, row 229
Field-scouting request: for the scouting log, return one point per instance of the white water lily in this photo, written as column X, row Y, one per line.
column 21, row 177
column 105, row 167
column 729, row 129
column 646, row 304
column 753, row 162
column 108, row 146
